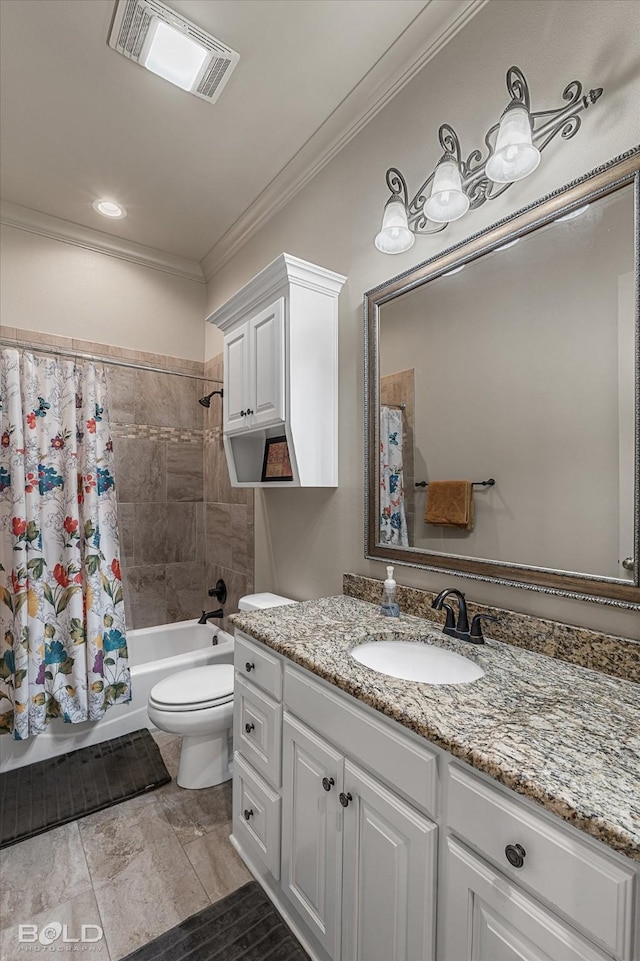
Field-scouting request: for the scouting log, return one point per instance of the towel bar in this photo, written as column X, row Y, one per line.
column 487, row 483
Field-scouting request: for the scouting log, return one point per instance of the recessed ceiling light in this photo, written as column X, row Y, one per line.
column 511, row 243
column 456, row 270
column 174, row 48
column 573, row 214
column 109, row 208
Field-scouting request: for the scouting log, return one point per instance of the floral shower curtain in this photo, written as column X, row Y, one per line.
column 63, row 650
column 393, row 521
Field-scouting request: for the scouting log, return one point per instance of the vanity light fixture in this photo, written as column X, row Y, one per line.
column 395, row 235
column 110, row 209
column 513, row 149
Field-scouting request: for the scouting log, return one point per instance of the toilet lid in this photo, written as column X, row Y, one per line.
column 198, row 687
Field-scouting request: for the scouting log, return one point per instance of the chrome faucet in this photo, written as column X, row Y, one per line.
column 461, row 629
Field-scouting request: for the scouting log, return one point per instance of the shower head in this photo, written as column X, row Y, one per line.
column 206, row 401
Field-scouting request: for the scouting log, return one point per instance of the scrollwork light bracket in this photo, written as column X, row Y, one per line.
column 475, row 183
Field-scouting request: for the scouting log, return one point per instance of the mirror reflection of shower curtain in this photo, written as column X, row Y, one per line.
column 393, row 521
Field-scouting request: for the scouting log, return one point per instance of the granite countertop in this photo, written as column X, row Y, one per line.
column 565, row 736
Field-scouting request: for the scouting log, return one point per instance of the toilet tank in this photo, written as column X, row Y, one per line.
column 259, row 602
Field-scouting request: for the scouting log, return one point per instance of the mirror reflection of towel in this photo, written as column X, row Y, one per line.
column 450, row 504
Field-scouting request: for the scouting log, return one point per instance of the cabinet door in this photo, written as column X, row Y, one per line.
column 236, row 378
column 311, row 837
column 389, row 879
column 488, row 918
column 266, row 359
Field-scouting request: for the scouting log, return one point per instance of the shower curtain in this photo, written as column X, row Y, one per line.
column 63, row 649
column 393, row 521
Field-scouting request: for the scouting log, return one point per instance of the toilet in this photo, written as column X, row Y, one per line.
column 197, row 704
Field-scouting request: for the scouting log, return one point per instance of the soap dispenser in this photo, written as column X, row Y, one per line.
column 389, row 604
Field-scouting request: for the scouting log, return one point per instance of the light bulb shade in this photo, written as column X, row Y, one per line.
column 514, row 156
column 447, row 201
column 395, row 236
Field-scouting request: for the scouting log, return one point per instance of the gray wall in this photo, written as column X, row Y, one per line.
column 305, row 539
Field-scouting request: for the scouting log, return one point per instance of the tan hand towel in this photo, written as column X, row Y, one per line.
column 450, row 504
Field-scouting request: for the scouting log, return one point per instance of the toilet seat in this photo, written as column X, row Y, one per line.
column 195, row 689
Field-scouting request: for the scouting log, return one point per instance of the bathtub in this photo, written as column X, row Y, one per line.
column 154, row 653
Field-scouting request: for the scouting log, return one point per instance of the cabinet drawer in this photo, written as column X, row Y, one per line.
column 256, row 815
column 487, row 917
column 407, row 767
column 591, row 889
column 257, row 729
column 258, row 666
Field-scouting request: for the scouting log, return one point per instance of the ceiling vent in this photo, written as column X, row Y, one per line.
column 205, row 64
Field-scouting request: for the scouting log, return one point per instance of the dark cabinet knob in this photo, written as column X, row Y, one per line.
column 344, row 799
column 248, row 814
column 249, row 411
column 327, row 783
column 243, row 413
column 249, row 727
column 515, row 855
column 249, row 667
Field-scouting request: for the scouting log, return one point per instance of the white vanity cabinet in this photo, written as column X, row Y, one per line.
column 352, row 864
column 358, row 864
column 281, row 373
column 389, row 874
column 490, row 919
column 363, row 833
column 311, row 873
column 533, row 853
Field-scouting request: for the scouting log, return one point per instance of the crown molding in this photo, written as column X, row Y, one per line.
column 425, row 36
column 36, row 222
column 273, row 281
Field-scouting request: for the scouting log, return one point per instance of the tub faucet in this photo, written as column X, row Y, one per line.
column 205, row 616
column 461, row 629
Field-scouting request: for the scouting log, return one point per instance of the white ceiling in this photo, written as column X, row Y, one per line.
column 79, row 121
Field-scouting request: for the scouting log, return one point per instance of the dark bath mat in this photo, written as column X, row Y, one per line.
column 244, row 926
column 44, row 795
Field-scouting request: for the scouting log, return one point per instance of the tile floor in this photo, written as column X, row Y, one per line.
column 135, row 869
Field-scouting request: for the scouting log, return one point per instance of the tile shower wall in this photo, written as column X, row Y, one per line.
column 181, row 524
column 157, row 426
column 228, row 511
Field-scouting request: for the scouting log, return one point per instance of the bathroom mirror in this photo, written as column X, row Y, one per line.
column 513, row 357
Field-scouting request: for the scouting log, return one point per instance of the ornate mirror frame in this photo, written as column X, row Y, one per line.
column 604, row 180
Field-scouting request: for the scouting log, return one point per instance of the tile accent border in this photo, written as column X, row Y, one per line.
column 149, row 432
column 167, row 362
column 617, row 656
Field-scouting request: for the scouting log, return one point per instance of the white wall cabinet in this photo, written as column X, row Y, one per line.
column 357, row 880
column 254, row 372
column 281, row 372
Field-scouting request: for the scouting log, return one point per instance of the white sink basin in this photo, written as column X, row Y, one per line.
column 415, row 661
